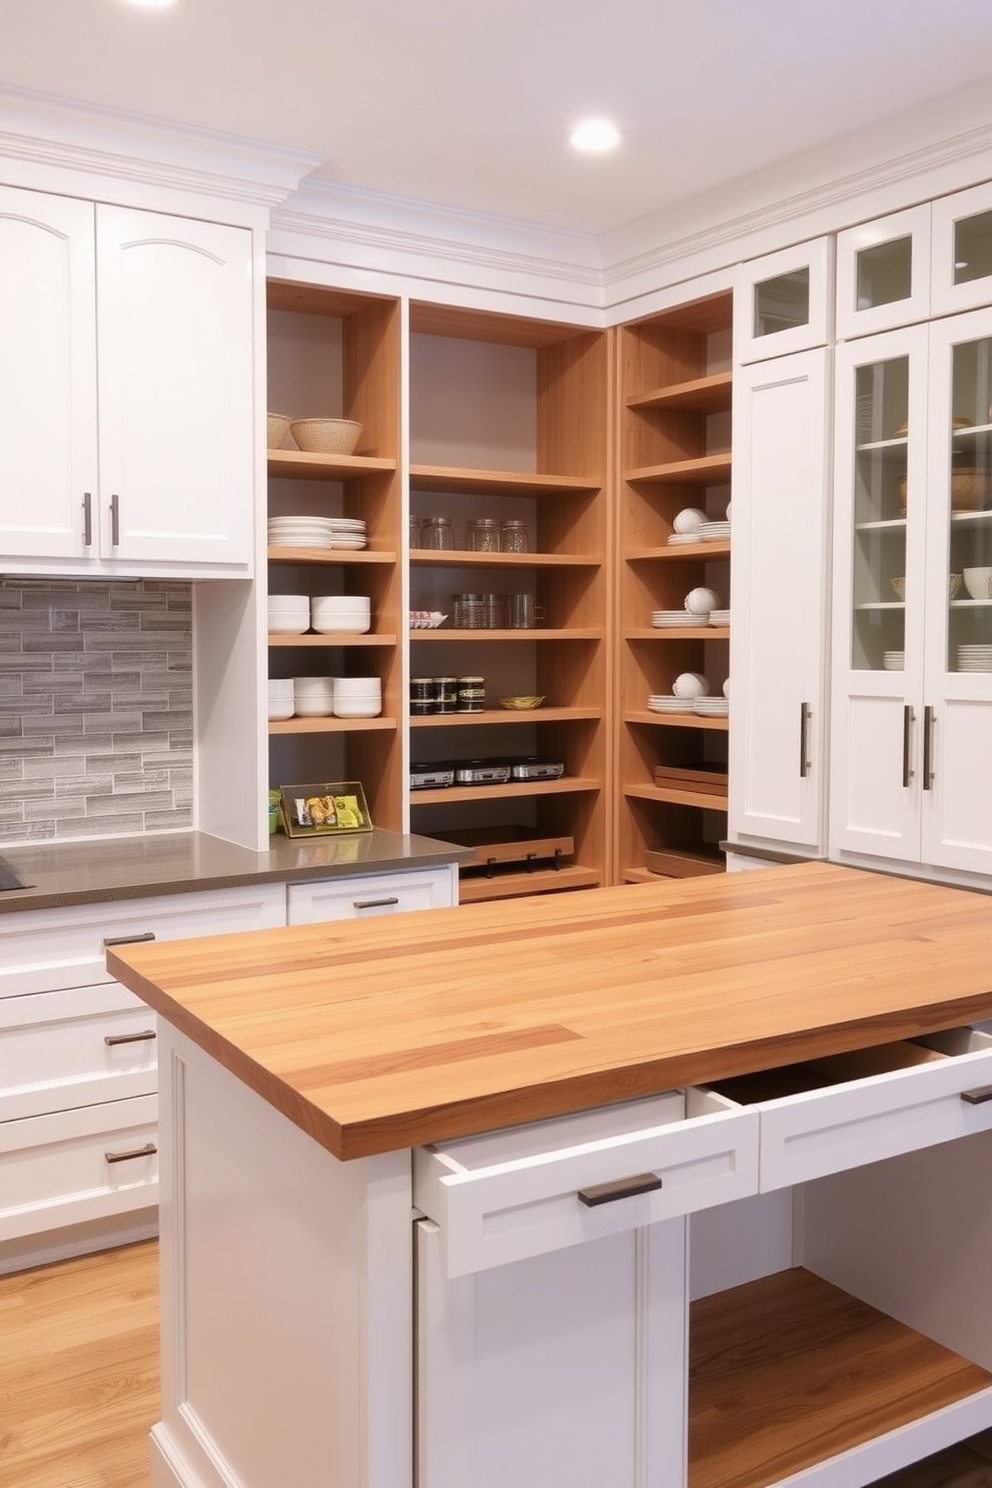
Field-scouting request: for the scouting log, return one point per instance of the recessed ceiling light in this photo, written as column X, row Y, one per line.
column 595, row 136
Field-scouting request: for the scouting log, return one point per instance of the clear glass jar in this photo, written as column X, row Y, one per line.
column 514, row 537
column 416, row 532
column 493, row 611
column 437, row 534
column 482, row 535
column 467, row 611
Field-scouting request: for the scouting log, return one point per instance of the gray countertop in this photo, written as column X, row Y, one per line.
column 60, row 874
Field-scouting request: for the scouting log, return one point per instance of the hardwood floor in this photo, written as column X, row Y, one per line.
column 79, row 1372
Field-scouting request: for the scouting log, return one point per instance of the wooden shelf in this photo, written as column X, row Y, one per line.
column 498, row 482
column 679, row 720
column 330, row 725
column 678, row 633
column 708, row 800
column 789, row 1371
column 506, row 715
column 541, row 881
column 339, row 638
column 329, row 555
column 706, row 470
column 297, row 465
column 452, row 794
column 679, row 552
column 461, row 559
column 698, row 395
column 585, row 633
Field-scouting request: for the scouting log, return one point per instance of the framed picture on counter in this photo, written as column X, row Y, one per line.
column 324, row 808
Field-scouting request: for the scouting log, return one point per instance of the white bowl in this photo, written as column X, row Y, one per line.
column 341, row 602
column 320, row 708
column 357, row 707
column 701, row 601
column 355, row 623
column 280, row 688
column 358, row 687
column 976, row 581
column 690, row 685
column 287, row 625
column 689, row 520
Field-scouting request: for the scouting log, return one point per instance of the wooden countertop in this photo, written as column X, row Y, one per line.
column 386, row 1033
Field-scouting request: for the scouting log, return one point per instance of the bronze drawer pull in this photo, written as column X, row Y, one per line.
column 977, row 1097
column 128, row 1038
column 620, row 1188
column 116, row 940
column 115, row 520
column 374, row 903
column 149, row 1150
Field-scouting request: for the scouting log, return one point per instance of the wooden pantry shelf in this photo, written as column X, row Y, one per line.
column 330, row 555
column 452, row 794
column 462, row 559
column 710, row 394
column 585, row 633
column 709, row 801
column 298, row 465
column 474, row 890
column 679, row 552
column 498, row 482
column 706, row 470
column 679, row 720
column 332, row 638
column 677, row 632
column 330, row 725
column 507, row 715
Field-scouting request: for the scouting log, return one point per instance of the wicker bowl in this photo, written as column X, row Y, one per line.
column 970, row 490
column 326, row 436
column 278, row 425
column 899, row 585
column 520, row 703
column 954, row 582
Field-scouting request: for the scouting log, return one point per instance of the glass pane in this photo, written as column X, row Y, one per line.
column 781, row 303
column 878, row 624
column 969, row 624
column 973, row 248
column 885, row 273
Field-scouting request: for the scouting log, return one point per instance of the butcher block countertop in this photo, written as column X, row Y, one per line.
column 394, row 1032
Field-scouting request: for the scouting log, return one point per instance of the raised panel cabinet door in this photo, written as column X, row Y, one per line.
column 48, row 453
column 780, row 567
column 175, row 391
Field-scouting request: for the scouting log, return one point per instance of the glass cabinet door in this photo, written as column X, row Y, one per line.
column 878, row 572
column 883, row 273
column 782, row 302
column 962, row 251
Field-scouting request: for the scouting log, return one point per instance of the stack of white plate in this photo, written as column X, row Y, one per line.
column 313, row 697
column 341, row 612
column 719, row 617
column 301, row 532
column 357, row 697
column 662, row 618
column 714, row 532
column 280, row 697
column 667, row 703
column 894, row 661
column 711, row 706
column 349, row 532
column 683, row 537
column 289, row 614
column 975, row 658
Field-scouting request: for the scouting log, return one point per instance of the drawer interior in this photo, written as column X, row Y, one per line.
column 837, row 1069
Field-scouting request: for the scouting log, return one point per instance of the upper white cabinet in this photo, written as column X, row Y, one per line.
column 912, row 672
column 783, row 302
column 126, row 390
column 962, row 251
column 883, row 273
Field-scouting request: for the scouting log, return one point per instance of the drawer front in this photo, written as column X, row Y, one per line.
column 76, row 1166
column 862, row 1121
column 80, row 1047
column 530, row 1190
column 46, row 949
column 371, row 894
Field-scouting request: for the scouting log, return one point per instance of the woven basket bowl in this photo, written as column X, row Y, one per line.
column 278, row 426
column 970, row 489
column 326, row 436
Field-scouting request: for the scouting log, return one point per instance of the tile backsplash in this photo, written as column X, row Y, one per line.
column 96, row 708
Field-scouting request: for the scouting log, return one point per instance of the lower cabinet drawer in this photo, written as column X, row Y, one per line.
column 75, row 1166
column 370, row 894
column 531, row 1189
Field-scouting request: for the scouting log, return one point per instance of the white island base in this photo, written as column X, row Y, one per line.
column 320, row 1332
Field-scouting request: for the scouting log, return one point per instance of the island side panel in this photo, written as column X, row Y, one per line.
column 286, row 1297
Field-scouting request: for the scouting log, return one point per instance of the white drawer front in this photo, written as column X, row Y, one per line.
column 64, row 1049
column 371, row 894
column 45, row 949
column 862, row 1121
column 532, row 1189
column 76, row 1166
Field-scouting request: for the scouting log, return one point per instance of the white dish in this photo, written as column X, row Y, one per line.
column 356, row 708
column 342, row 624
column 280, row 710
column 689, row 520
column 683, row 537
column 690, row 685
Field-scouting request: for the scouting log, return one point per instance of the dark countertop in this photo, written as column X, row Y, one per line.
column 60, row 874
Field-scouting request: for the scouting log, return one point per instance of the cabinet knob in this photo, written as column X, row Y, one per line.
column 620, row 1188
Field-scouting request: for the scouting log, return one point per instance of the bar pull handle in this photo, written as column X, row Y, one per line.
column 620, row 1188
column 374, row 903
column 110, row 1039
column 115, row 520
column 928, row 715
column 149, row 1150
column 977, row 1097
column 907, row 733
column 803, row 740
column 116, row 940
column 87, row 519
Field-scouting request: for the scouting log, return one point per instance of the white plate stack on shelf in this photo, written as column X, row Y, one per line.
column 713, row 707
column 894, row 661
column 289, row 614
column 280, row 697
column 357, row 697
column 686, row 526
column 714, row 532
column 317, row 532
column 975, row 658
column 666, row 619
column 341, row 613
column 668, row 703
column 313, row 697
column 719, row 617
column 349, row 533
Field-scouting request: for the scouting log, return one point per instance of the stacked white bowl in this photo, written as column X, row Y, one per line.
column 280, row 697
column 313, row 697
column 341, row 612
column 357, row 697
column 289, row 614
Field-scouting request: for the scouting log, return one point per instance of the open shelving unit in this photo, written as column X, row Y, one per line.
column 675, row 389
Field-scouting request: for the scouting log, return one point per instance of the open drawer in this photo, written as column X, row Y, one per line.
column 849, row 1109
column 526, row 1190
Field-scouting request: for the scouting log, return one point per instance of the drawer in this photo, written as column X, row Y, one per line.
column 45, row 949
column 73, row 1048
column 76, row 1166
column 857, row 1108
column 530, row 1189
column 371, row 894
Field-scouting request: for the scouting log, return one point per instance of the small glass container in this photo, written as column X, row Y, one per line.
column 514, row 537
column 445, row 694
column 416, row 532
column 471, row 695
column 482, row 535
column 493, row 611
column 467, row 611
column 437, row 534
column 422, row 696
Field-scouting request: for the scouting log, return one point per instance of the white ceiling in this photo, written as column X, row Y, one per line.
column 468, row 104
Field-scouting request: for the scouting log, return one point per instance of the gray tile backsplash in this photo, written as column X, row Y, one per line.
column 96, row 708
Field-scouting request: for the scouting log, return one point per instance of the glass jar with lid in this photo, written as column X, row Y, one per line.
column 514, row 537
column 467, row 612
column 437, row 534
column 482, row 535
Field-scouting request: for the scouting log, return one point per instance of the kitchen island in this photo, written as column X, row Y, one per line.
column 643, row 1186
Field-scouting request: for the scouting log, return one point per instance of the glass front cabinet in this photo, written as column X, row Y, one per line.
column 912, row 647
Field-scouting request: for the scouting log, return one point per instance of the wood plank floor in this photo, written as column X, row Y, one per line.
column 79, row 1371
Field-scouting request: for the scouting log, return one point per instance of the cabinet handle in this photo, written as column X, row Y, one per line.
column 115, row 520
column 116, row 940
column 149, row 1150
column 927, row 748
column 907, row 730
column 977, row 1097
column 87, row 519
column 620, row 1188
column 374, row 903
column 129, row 1038
column 803, row 740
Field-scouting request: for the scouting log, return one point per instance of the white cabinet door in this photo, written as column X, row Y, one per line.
column 883, row 273
column 961, row 253
column 175, row 386
column 780, row 584
column 48, row 442
column 369, row 894
column 783, row 302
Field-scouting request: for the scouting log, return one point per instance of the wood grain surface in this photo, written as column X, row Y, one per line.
column 386, row 1033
